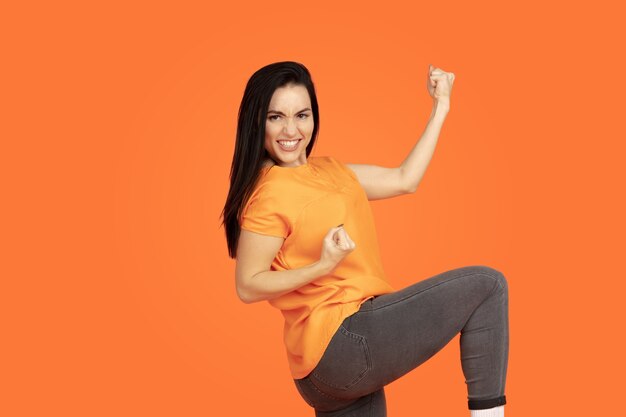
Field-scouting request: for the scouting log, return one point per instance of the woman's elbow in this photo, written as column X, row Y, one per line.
column 243, row 295
column 246, row 296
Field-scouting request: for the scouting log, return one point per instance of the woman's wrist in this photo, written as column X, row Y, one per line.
column 441, row 105
column 324, row 267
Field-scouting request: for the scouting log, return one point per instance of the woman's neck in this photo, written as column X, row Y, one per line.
column 268, row 162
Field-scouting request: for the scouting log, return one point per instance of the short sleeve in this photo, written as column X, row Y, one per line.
column 344, row 168
column 263, row 215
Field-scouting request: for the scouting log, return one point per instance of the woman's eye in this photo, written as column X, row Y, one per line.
column 275, row 115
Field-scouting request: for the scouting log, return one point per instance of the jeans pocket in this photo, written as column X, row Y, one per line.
column 345, row 361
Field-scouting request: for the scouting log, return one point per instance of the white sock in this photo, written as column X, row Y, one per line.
column 488, row 412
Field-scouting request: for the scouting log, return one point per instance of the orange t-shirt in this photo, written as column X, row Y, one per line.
column 301, row 204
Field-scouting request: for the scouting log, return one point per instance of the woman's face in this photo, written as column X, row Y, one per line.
column 289, row 118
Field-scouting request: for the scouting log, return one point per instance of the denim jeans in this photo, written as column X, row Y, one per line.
column 394, row 333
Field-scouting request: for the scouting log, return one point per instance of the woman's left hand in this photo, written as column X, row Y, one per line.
column 439, row 84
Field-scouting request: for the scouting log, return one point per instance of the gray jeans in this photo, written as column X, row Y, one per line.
column 394, row 333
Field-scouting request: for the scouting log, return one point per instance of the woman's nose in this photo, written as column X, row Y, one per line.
column 290, row 126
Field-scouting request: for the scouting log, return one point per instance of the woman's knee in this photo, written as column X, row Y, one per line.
column 500, row 280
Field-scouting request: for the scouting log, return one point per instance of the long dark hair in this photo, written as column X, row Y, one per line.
column 250, row 150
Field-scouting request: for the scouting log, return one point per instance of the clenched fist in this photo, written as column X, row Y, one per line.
column 439, row 83
column 336, row 246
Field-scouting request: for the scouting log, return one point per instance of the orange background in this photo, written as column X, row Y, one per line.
column 118, row 127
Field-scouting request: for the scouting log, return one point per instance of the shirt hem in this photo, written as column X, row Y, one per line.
column 347, row 310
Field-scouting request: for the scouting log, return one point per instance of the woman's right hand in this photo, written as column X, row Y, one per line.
column 336, row 246
column 439, row 84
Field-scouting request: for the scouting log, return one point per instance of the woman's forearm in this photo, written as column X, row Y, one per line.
column 415, row 164
column 271, row 284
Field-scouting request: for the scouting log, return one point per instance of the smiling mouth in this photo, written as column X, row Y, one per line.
column 289, row 145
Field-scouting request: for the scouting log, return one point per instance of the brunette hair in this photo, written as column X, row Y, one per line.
column 250, row 150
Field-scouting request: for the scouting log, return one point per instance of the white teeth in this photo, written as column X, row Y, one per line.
column 288, row 145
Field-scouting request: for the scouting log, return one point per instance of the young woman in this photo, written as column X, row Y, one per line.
column 303, row 235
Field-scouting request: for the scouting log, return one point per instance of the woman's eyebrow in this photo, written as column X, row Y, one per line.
column 281, row 113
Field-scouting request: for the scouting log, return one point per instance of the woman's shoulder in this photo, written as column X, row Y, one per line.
column 332, row 162
column 323, row 161
column 268, row 162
